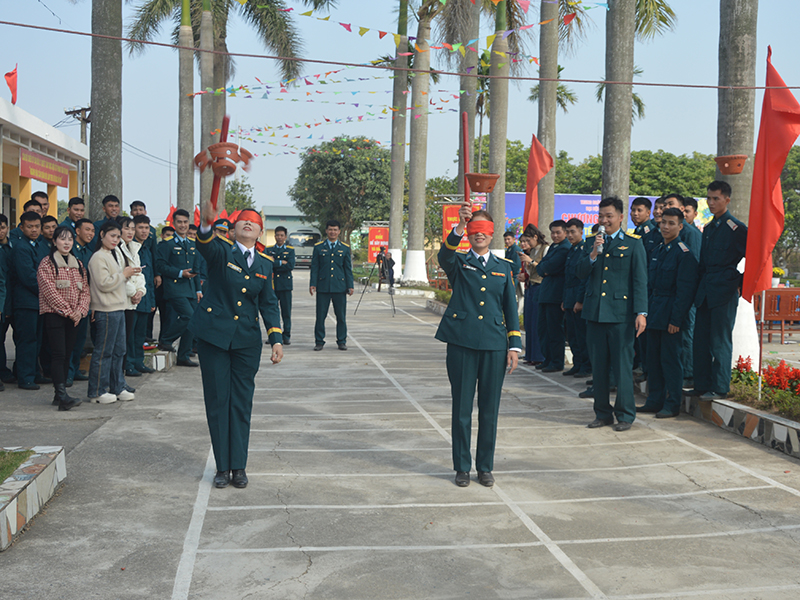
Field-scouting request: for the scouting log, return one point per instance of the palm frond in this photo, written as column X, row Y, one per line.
column 455, row 25
column 147, row 21
column 569, row 35
column 277, row 32
column 653, row 18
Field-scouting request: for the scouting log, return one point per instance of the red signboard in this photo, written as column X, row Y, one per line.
column 378, row 236
column 42, row 168
column 450, row 219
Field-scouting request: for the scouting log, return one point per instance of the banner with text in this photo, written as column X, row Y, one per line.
column 43, row 168
column 378, row 236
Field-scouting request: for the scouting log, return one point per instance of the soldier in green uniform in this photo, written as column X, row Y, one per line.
column 331, row 279
column 283, row 256
column 672, row 285
column 615, row 307
column 551, row 298
column 572, row 305
column 481, row 328
column 640, row 215
column 652, row 238
column 176, row 263
column 512, row 253
column 724, row 245
column 227, row 325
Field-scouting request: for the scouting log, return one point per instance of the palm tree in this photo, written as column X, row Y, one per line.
column 105, row 149
column 564, row 95
column 498, row 131
column 736, row 112
column 185, row 111
column 482, row 104
column 397, row 183
column 637, row 104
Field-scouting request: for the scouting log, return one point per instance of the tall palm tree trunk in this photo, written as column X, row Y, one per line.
column 548, row 102
column 186, row 149
column 105, row 151
column 418, row 156
column 736, row 108
column 498, row 126
column 620, row 34
column 398, row 176
column 468, row 100
column 206, row 100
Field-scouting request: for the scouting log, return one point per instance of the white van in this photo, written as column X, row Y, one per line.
column 303, row 241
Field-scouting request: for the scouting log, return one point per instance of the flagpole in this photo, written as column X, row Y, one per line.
column 761, row 342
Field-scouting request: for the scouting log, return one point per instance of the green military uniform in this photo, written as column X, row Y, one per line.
column 650, row 235
column 616, row 292
column 332, row 275
column 180, row 293
column 284, row 260
column 672, row 276
column 574, row 292
column 551, row 295
column 724, row 244
column 512, row 254
column 227, row 325
column 693, row 238
column 479, row 326
column 644, row 228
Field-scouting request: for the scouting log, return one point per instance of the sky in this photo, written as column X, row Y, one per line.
column 55, row 75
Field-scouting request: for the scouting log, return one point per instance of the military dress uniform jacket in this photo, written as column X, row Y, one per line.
column 672, row 285
column 651, row 240
column 331, row 269
column 724, row 245
column 228, row 315
column 616, row 286
column 512, row 254
column 482, row 313
column 574, row 286
column 172, row 257
column 7, row 264
column 282, row 273
column 693, row 238
column 645, row 228
column 148, row 301
column 551, row 268
column 26, row 256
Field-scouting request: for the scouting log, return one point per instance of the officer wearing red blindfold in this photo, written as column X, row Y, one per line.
column 227, row 327
column 481, row 328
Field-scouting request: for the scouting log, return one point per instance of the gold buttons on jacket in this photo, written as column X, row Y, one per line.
column 480, row 317
column 483, row 276
column 481, row 303
column 454, row 315
column 603, row 294
column 605, row 268
column 605, row 281
column 244, row 290
column 624, row 297
column 607, row 255
column 235, row 317
column 239, row 303
column 209, row 309
column 247, row 276
column 483, row 289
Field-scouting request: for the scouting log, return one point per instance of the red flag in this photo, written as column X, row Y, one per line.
column 780, row 126
column 539, row 164
column 11, row 80
column 168, row 221
column 197, row 216
column 223, row 214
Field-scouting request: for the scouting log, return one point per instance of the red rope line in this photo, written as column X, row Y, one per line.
column 387, row 68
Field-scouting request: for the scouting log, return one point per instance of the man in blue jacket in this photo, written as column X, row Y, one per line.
column 574, row 291
column 332, row 281
column 551, row 296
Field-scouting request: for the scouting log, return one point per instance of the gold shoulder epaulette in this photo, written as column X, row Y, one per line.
column 508, row 260
column 633, row 235
column 266, row 256
column 461, row 251
column 343, row 244
column 290, row 247
column 224, row 239
column 167, row 239
column 322, row 242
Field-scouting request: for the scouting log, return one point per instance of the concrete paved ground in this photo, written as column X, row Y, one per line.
column 351, row 493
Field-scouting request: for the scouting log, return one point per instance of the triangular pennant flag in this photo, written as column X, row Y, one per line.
column 568, row 18
column 397, row 39
column 346, row 26
column 381, row 35
column 362, row 30
column 306, row 14
column 11, row 80
column 490, row 40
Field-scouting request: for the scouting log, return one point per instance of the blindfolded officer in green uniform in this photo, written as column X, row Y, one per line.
column 284, row 259
column 227, row 326
column 615, row 306
column 331, row 279
column 481, row 328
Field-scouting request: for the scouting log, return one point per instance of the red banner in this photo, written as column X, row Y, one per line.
column 378, row 236
column 42, row 168
column 450, row 219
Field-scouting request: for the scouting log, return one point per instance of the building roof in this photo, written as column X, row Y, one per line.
column 276, row 212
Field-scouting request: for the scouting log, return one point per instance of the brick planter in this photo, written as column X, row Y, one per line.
column 28, row 489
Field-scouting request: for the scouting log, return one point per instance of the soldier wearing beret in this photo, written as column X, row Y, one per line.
column 672, row 285
column 227, row 326
column 724, row 245
column 615, row 309
column 481, row 328
column 284, row 260
column 331, row 279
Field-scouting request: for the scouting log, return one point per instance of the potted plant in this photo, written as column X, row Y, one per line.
column 777, row 273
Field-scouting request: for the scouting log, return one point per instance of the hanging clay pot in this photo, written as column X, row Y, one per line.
column 223, row 167
column 201, row 160
column 732, row 164
column 482, row 182
column 224, row 150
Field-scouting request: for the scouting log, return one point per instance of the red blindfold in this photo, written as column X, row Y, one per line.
column 252, row 216
column 485, row 227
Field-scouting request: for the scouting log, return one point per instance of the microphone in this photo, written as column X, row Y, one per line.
column 601, row 231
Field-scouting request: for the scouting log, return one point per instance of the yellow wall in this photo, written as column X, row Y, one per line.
column 22, row 188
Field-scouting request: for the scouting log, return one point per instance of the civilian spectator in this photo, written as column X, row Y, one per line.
column 135, row 287
column 107, row 278
column 84, row 230
column 537, row 249
column 63, row 303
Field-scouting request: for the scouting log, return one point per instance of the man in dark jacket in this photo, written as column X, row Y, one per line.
column 574, row 291
column 551, row 296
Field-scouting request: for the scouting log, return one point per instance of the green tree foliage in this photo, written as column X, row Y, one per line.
column 516, row 163
column 434, row 188
column 346, row 179
column 789, row 241
column 238, row 195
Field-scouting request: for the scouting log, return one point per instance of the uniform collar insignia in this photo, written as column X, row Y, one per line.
column 622, row 248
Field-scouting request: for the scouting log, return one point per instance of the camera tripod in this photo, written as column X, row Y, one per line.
column 366, row 285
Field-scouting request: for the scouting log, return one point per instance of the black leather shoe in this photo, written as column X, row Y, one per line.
column 222, row 479
column 10, row 379
column 69, row 383
column 551, row 370
column 485, row 478
column 129, row 373
column 28, row 386
column 694, row 392
column 287, row 342
column 166, row 347
column 341, row 346
column 622, row 426
column 647, row 409
column 587, row 393
column 43, row 379
column 583, row 374
column 601, row 423
column 239, row 478
column 462, row 478
column 144, row 369
column 192, row 354
column 318, row 347
column 590, row 383
column 571, row 372
column 666, row 415
column 81, row 376
column 187, row 363
column 539, row 367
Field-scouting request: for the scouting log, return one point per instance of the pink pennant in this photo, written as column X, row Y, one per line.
column 346, row 26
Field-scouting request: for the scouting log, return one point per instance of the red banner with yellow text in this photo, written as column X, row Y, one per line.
column 43, row 168
column 450, row 219
column 378, row 236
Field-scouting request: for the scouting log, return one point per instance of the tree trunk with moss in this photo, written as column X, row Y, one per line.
column 398, row 177
column 498, row 125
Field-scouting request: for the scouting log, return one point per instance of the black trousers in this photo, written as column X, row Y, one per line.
column 61, row 336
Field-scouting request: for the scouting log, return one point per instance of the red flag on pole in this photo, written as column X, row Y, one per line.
column 197, row 216
column 11, row 80
column 780, row 126
column 539, row 164
column 168, row 220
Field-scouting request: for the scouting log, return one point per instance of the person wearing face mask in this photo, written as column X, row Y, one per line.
column 481, row 329
column 108, row 275
column 227, row 328
column 63, row 303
